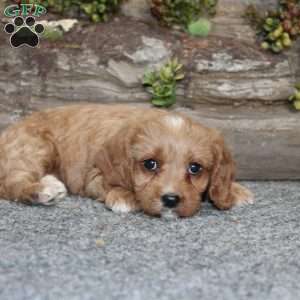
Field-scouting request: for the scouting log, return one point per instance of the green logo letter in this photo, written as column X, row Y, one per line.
column 39, row 10
column 12, row 11
column 26, row 9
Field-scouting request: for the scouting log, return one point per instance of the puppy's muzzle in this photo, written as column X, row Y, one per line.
column 170, row 200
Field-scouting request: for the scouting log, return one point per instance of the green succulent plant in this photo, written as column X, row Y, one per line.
column 295, row 98
column 278, row 29
column 162, row 83
column 95, row 10
column 201, row 27
column 182, row 12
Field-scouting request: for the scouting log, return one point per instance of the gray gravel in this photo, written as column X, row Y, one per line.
column 80, row 250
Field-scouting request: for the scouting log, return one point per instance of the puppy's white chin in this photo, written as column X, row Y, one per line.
column 169, row 214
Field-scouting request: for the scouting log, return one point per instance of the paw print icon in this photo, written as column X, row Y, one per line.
column 24, row 32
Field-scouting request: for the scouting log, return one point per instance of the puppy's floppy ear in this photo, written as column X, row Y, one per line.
column 114, row 158
column 222, row 174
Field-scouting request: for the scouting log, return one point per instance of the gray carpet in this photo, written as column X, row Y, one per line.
column 80, row 250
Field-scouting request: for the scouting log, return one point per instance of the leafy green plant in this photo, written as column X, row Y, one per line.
column 201, row 27
column 95, row 10
column 162, row 83
column 277, row 29
column 295, row 98
column 182, row 12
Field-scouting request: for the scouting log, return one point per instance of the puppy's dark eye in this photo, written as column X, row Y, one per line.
column 195, row 168
column 151, row 164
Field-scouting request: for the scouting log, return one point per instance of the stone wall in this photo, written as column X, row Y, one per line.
column 109, row 60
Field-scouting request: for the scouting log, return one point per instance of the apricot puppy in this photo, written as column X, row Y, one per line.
column 130, row 158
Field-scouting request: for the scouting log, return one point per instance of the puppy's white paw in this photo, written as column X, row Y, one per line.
column 121, row 201
column 243, row 195
column 245, row 201
column 121, row 207
column 53, row 190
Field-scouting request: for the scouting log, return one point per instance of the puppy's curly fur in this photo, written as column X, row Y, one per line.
column 99, row 151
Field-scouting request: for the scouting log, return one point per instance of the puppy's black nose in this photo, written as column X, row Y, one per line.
column 170, row 200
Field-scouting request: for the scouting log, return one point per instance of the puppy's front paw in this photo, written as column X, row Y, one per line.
column 121, row 207
column 242, row 196
column 121, row 201
column 52, row 191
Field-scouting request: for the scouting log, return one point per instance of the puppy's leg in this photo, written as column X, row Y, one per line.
column 121, row 201
column 24, row 187
column 52, row 190
column 241, row 195
column 94, row 185
column 117, row 198
column 26, row 156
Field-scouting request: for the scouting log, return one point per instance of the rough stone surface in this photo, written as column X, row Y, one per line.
column 65, row 24
column 151, row 51
column 219, row 69
column 80, row 250
column 138, row 9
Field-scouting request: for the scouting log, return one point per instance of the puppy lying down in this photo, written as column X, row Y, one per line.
column 130, row 158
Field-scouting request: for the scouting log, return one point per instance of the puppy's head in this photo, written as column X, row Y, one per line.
column 169, row 163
